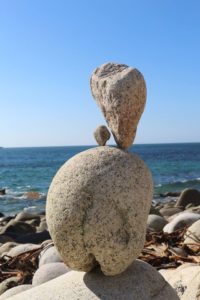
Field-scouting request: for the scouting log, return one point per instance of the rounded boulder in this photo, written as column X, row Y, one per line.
column 182, row 220
column 48, row 272
column 97, row 209
column 156, row 223
column 189, row 196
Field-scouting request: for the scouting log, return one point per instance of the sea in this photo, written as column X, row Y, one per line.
column 174, row 167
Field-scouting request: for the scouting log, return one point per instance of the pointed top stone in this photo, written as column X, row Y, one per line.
column 120, row 92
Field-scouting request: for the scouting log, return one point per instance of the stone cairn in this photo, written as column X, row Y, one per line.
column 99, row 200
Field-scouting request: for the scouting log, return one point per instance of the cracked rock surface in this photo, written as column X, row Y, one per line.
column 97, row 208
column 120, row 92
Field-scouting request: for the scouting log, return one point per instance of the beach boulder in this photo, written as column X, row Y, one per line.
column 156, row 223
column 48, row 272
column 5, row 248
column 49, row 255
column 35, row 238
column 19, row 249
column 189, row 196
column 97, row 209
column 170, row 211
column 14, row 228
column 120, row 92
column 182, row 220
column 25, row 216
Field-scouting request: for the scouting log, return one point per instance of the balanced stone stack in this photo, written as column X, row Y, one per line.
column 98, row 204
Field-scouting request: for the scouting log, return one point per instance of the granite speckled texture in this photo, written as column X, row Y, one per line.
column 120, row 92
column 139, row 282
column 97, row 209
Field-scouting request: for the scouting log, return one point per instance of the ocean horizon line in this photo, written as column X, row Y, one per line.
column 95, row 145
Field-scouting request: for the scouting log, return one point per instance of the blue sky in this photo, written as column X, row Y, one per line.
column 49, row 49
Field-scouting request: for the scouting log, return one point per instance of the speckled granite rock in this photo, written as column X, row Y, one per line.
column 15, row 290
column 138, row 282
column 102, row 135
column 97, row 209
column 120, row 92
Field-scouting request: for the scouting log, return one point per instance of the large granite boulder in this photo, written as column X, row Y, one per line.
column 120, row 92
column 139, row 282
column 97, row 209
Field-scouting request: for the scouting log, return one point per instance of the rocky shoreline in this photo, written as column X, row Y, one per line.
column 29, row 258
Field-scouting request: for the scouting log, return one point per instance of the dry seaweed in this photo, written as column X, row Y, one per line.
column 167, row 250
column 23, row 265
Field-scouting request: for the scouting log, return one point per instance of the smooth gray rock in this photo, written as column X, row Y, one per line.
column 181, row 221
column 120, row 92
column 13, row 228
column 5, row 238
column 102, row 135
column 97, row 209
column 156, row 223
column 48, row 272
column 139, row 282
column 189, row 196
column 21, row 249
column 15, row 290
column 49, row 255
column 35, row 238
